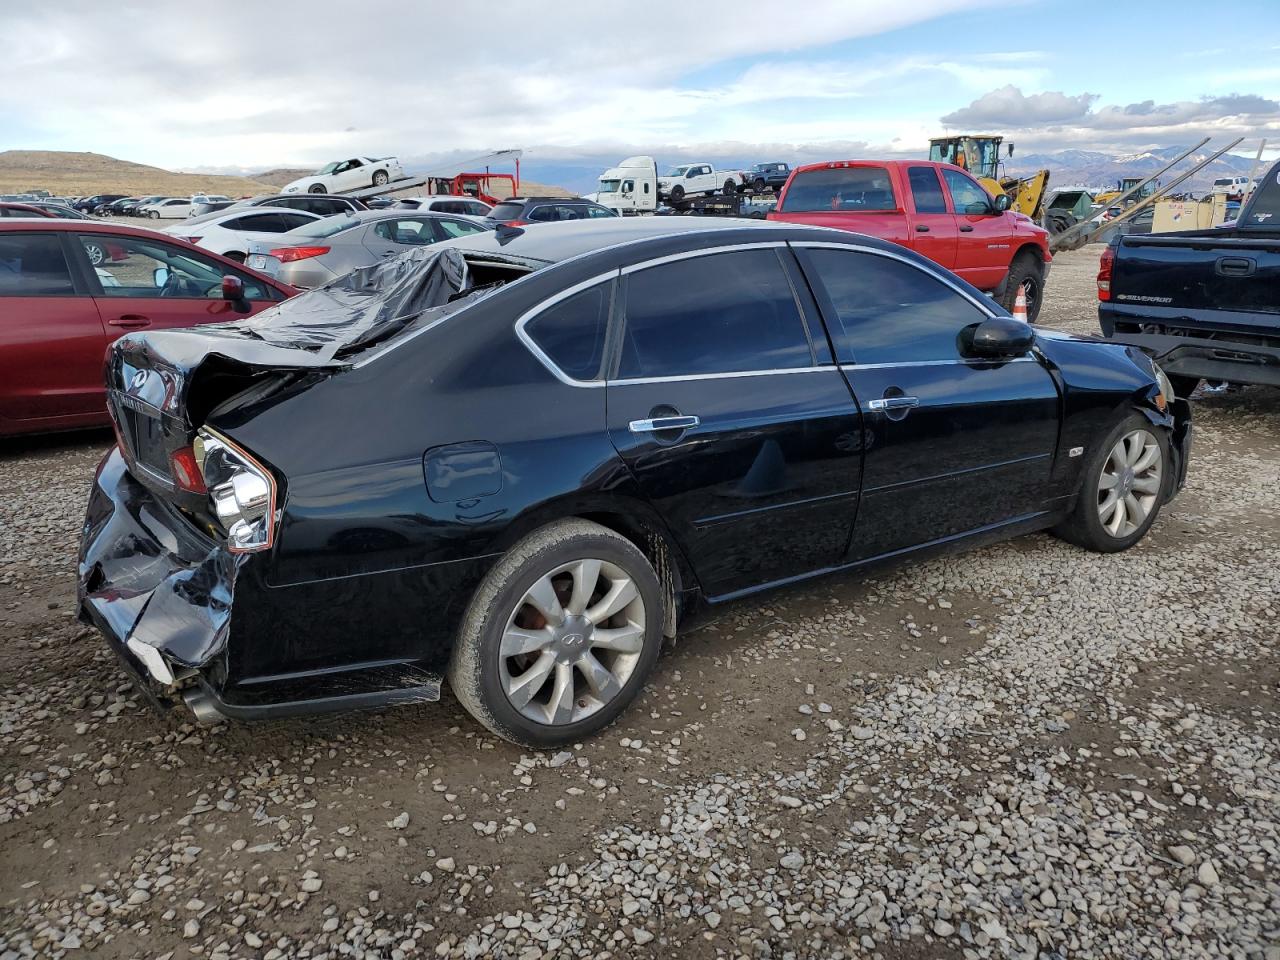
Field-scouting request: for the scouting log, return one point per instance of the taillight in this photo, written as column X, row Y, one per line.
column 290, row 254
column 1104, row 272
column 191, row 239
column 186, row 471
column 515, row 223
column 242, row 492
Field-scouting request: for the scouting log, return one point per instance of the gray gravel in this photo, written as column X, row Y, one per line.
column 1028, row 751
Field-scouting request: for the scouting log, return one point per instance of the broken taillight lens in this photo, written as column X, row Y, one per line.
column 242, row 492
column 185, row 471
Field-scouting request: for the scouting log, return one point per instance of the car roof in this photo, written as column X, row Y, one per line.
column 549, row 243
column 546, row 199
column 217, row 217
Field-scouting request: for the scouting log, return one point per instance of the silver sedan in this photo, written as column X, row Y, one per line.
column 312, row 255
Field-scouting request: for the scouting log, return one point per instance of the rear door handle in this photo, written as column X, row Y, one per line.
column 921, row 228
column 893, row 403
column 130, row 321
column 966, row 228
column 663, row 423
column 1235, row 266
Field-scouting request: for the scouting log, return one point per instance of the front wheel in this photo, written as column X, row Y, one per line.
column 559, row 636
column 1025, row 273
column 317, row 188
column 677, row 193
column 758, row 185
column 1123, row 488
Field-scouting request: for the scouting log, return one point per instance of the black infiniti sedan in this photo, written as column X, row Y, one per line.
column 516, row 459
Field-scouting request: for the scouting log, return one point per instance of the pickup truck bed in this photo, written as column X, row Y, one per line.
column 1203, row 303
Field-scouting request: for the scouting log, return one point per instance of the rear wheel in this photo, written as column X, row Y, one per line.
column 1025, row 273
column 317, row 188
column 730, row 188
column 380, row 178
column 1123, row 488
column 559, row 636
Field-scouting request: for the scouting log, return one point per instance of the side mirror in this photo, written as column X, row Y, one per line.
column 160, row 276
column 233, row 290
column 1002, row 203
column 1001, row 337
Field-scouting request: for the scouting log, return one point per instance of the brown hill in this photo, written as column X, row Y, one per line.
column 282, row 175
column 63, row 173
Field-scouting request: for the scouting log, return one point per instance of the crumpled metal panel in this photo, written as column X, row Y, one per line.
column 146, row 578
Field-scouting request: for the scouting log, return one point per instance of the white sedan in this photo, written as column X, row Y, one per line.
column 170, row 208
column 358, row 173
column 230, row 234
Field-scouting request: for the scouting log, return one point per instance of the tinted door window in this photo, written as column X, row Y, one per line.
column 966, row 196
column 890, row 311
column 543, row 214
column 572, row 332
column 33, row 265
column 841, row 189
column 926, row 191
column 722, row 313
column 147, row 268
column 596, row 212
column 448, row 206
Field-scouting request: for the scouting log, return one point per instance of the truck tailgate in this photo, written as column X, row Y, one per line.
column 1213, row 270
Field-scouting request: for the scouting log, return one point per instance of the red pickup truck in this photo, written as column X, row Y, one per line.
column 935, row 209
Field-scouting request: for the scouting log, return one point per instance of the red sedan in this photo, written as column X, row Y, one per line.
column 68, row 288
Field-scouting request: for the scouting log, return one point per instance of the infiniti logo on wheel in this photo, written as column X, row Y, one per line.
column 573, row 639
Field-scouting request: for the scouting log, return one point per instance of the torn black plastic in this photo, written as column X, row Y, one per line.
column 358, row 309
column 149, row 575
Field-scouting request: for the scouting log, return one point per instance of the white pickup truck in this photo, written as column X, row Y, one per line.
column 692, row 179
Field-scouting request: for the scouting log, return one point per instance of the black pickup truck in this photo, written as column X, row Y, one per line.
column 1203, row 303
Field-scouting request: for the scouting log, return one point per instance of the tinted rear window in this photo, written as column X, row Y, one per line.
column 841, row 189
column 507, row 211
column 722, row 313
column 33, row 265
column 572, row 332
column 1264, row 208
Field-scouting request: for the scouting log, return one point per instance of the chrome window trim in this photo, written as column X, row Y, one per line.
column 962, row 362
column 893, row 255
column 705, row 252
column 680, row 378
column 533, row 313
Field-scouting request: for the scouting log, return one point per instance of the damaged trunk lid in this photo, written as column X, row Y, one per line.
column 163, row 385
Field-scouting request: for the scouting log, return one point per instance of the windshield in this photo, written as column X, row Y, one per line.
column 677, row 171
column 609, row 186
column 327, row 168
column 326, row 227
column 1222, row 183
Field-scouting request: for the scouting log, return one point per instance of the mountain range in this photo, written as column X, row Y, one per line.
column 1067, row 167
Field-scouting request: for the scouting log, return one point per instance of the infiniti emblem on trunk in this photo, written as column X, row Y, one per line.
column 138, row 380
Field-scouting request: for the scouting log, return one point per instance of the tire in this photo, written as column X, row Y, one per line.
column 1146, row 487
column 153, row 214
column 758, row 185
column 677, row 193
column 317, row 188
column 730, row 188
column 558, row 555
column 380, row 178
column 1026, row 271
column 95, row 253
column 235, row 255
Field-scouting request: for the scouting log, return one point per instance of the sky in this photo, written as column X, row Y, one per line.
column 227, row 85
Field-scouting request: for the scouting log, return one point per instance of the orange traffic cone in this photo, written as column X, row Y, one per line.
column 1020, row 305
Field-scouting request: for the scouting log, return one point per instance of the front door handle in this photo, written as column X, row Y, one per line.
column 921, row 228
column 130, row 321
column 966, row 228
column 893, row 403
column 663, row 423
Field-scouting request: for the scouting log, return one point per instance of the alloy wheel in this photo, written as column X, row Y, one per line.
column 572, row 642
column 1130, row 483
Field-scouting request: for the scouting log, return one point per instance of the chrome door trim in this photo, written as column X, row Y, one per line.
column 705, row 252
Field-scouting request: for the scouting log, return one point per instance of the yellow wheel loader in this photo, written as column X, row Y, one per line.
column 980, row 155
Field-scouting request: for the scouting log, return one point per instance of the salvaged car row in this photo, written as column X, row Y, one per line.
column 515, row 454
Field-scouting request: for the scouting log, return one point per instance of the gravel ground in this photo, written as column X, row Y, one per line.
column 1025, row 751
